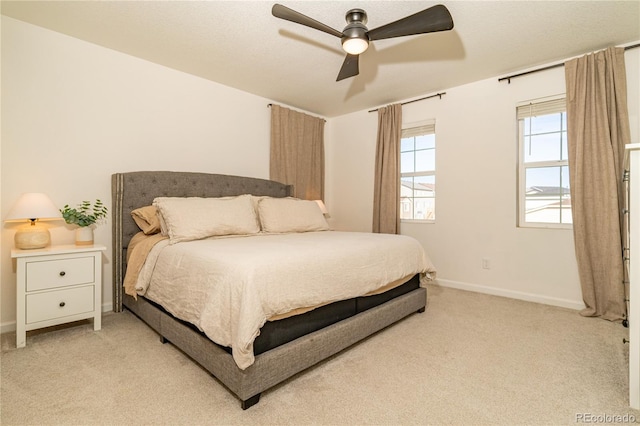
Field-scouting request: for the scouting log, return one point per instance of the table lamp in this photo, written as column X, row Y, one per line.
column 323, row 208
column 34, row 207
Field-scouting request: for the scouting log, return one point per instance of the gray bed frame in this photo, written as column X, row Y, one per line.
column 132, row 190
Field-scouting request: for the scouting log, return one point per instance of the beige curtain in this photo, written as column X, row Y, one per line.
column 386, row 187
column 598, row 129
column 297, row 152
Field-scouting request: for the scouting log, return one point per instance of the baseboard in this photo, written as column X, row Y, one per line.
column 529, row 297
column 9, row 327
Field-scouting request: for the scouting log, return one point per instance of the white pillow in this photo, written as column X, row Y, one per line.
column 194, row 218
column 290, row 215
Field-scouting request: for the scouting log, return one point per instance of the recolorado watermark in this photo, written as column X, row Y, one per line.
column 592, row 418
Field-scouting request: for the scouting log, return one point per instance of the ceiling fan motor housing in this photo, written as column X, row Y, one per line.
column 355, row 33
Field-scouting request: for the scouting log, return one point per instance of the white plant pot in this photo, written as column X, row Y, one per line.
column 84, row 236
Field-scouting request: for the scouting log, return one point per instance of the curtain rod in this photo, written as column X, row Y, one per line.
column 269, row 106
column 416, row 100
column 509, row 77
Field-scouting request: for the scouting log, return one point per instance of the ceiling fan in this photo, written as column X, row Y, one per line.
column 356, row 37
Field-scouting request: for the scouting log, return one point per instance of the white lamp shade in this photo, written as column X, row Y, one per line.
column 33, row 205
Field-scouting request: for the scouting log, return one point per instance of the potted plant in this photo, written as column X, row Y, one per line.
column 84, row 215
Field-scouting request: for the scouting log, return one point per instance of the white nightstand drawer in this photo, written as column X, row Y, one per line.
column 60, row 303
column 45, row 274
column 56, row 285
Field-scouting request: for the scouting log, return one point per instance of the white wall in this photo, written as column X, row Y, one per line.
column 73, row 113
column 476, row 159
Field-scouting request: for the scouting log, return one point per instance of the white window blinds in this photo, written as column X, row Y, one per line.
column 534, row 109
column 423, row 128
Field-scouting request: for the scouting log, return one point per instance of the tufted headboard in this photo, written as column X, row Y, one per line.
column 132, row 190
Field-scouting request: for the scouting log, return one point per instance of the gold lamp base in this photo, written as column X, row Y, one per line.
column 32, row 236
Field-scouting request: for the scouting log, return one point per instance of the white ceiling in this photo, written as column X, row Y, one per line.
column 240, row 44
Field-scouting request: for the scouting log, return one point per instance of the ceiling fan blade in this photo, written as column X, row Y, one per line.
column 436, row 18
column 349, row 67
column 283, row 12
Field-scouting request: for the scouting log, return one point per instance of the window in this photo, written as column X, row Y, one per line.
column 418, row 173
column 543, row 174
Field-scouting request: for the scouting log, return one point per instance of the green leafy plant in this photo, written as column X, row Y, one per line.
column 84, row 214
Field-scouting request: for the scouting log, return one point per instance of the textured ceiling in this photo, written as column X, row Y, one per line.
column 240, row 44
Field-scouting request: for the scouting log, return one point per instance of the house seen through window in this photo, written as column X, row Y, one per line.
column 418, row 173
column 543, row 173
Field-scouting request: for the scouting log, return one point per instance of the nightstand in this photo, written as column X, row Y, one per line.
column 56, row 285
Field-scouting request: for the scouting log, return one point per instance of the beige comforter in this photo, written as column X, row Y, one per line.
column 229, row 287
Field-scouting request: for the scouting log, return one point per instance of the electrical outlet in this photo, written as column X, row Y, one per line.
column 486, row 264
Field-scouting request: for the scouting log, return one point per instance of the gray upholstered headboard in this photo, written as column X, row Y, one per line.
column 132, row 190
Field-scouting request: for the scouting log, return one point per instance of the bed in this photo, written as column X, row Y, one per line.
column 284, row 345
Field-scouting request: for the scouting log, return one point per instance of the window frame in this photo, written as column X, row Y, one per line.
column 426, row 127
column 537, row 107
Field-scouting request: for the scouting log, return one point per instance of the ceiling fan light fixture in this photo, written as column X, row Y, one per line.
column 356, row 37
column 354, row 46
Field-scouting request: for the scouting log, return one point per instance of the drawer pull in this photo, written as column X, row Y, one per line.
column 62, row 304
column 63, row 273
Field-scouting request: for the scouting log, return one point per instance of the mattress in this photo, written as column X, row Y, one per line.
column 276, row 333
column 229, row 287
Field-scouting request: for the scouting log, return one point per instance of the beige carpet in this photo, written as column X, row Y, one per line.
column 470, row 359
